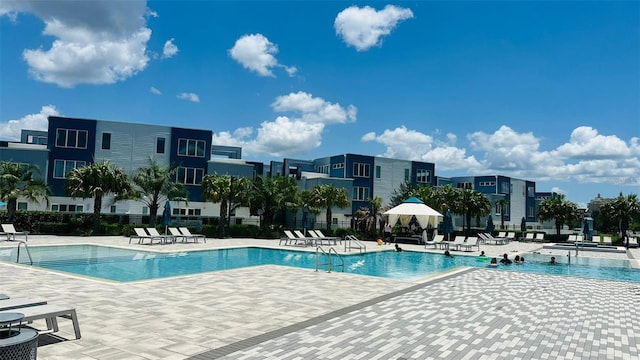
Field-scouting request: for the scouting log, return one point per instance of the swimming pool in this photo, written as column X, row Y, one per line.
column 125, row 265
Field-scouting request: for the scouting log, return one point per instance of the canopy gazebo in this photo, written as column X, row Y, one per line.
column 414, row 207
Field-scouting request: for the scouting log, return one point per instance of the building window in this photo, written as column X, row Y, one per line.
column 361, row 170
column 194, row 212
column 423, row 176
column 465, row 185
column 189, row 176
column 338, row 166
column 69, row 138
column 35, row 139
column 360, row 193
column 530, row 211
column 55, row 207
column 192, row 148
column 106, row 141
column 505, row 188
column 22, row 206
column 160, row 145
column 61, row 168
column 67, row 208
column 112, row 209
column 531, row 191
column 378, row 171
column 323, row 169
column 145, row 210
column 79, row 208
column 487, row 183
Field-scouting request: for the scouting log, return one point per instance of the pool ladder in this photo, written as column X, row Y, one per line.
column 26, row 248
column 329, row 256
column 352, row 242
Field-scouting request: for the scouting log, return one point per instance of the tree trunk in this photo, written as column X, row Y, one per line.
column 153, row 212
column 468, row 219
column 97, row 206
column 328, row 218
column 12, row 205
column 558, row 226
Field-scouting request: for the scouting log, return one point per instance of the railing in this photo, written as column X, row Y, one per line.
column 26, row 248
column 351, row 242
column 329, row 263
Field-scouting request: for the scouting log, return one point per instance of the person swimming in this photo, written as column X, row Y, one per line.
column 398, row 248
column 494, row 262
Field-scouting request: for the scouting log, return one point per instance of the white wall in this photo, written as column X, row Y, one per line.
column 391, row 177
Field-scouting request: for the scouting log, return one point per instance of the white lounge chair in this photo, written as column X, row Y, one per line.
column 50, row 313
column 10, row 231
column 455, row 244
column 539, row 237
column 293, row 239
column 529, row 237
column 511, row 236
column 185, row 231
column 606, row 240
column 140, row 234
column 469, row 243
column 308, row 239
column 319, row 238
column 322, row 235
column 16, row 303
column 572, row 238
column 163, row 238
column 437, row 240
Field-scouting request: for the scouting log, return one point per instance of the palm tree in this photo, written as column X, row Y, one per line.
column 405, row 191
column 623, row 210
column 153, row 185
column 17, row 180
column 329, row 196
column 271, row 195
column 97, row 180
column 472, row 203
column 559, row 209
column 503, row 205
column 231, row 192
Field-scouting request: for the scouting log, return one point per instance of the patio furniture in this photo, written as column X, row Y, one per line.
column 185, row 232
column 10, row 231
column 49, row 313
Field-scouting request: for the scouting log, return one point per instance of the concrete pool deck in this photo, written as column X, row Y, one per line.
column 273, row 312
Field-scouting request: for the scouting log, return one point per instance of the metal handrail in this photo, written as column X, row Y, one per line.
column 26, row 248
column 339, row 257
column 359, row 245
column 328, row 263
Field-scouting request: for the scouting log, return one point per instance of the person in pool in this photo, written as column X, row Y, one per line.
column 494, row 262
column 553, row 260
column 482, row 254
column 447, row 253
column 516, row 259
column 505, row 259
column 398, row 248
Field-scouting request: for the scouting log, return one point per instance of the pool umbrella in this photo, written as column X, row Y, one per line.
column 305, row 219
column 490, row 227
column 166, row 216
column 447, row 226
column 523, row 224
column 586, row 231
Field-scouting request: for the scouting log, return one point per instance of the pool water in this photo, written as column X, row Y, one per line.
column 130, row 265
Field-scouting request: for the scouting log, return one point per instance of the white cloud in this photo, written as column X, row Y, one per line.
column 364, row 27
column 289, row 135
column 314, row 109
column 588, row 157
column 193, row 97
column 169, row 50
column 11, row 129
column 256, row 53
column 95, row 42
column 155, row 91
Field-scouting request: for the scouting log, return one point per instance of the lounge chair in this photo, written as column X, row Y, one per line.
column 529, row 237
column 539, row 237
column 291, row 239
column 163, row 238
column 489, row 239
column 572, row 238
column 49, row 313
column 322, row 235
column 16, row 303
column 511, row 236
column 606, row 240
column 142, row 235
column 10, row 231
column 502, row 234
column 437, row 240
column 319, row 238
column 177, row 234
column 469, row 243
column 309, row 239
column 185, row 231
column 455, row 244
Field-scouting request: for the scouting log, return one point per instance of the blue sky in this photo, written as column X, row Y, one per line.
column 545, row 91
